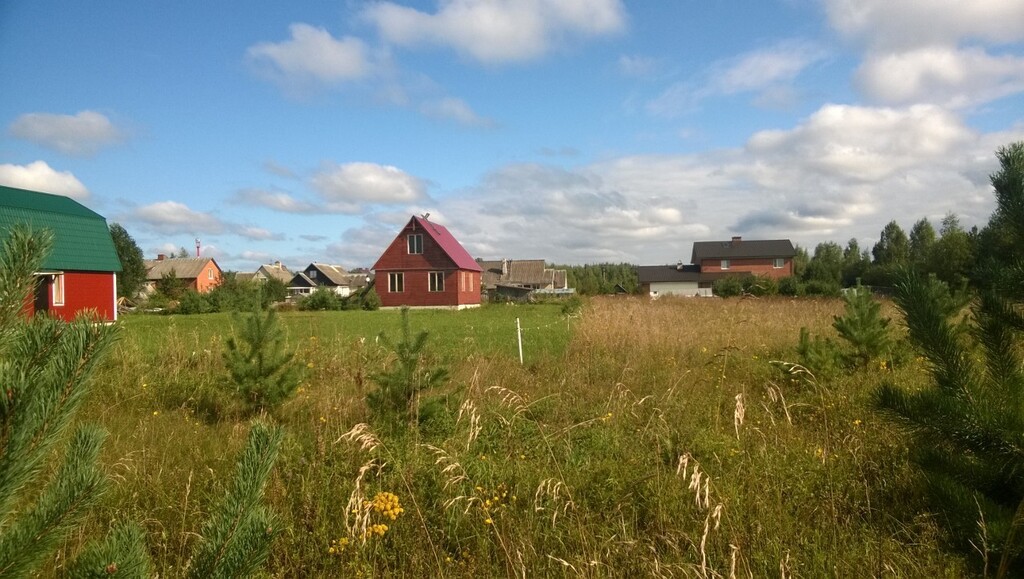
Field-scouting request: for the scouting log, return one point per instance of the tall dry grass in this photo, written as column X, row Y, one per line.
column 663, row 441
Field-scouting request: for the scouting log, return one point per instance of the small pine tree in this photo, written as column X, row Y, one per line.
column 264, row 374
column 236, row 538
column 45, row 366
column 863, row 327
column 398, row 388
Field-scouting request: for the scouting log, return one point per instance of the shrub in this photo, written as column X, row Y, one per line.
column 573, row 304
column 820, row 355
column 727, row 287
column 193, row 302
column 817, row 287
column 263, row 373
column 370, row 300
column 321, row 299
column 762, row 286
column 396, row 398
column 790, row 286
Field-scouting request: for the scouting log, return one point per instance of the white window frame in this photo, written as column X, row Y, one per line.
column 57, row 289
column 435, row 281
column 396, row 282
column 725, row 264
column 414, row 243
column 209, row 274
column 312, row 274
column 779, row 263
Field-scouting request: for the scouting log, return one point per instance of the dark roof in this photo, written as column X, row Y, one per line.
column 446, row 241
column 301, row 280
column 335, row 274
column 670, row 273
column 663, row 273
column 183, row 267
column 81, row 238
column 738, row 249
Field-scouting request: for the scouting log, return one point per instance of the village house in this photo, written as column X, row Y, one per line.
column 273, row 271
column 425, row 266
column 517, row 278
column 332, row 277
column 200, row 274
column 79, row 274
column 713, row 260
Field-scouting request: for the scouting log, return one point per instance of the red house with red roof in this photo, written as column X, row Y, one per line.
column 425, row 266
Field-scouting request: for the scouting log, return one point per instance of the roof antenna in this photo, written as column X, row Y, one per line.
column 197, row 247
column 426, row 215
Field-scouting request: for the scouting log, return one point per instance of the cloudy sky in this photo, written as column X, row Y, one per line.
column 571, row 130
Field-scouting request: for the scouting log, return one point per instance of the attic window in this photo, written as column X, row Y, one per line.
column 312, row 274
column 415, row 243
column 58, row 289
column 725, row 264
column 209, row 273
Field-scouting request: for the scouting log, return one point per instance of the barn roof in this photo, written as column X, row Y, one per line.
column 446, row 241
column 738, row 248
column 81, row 237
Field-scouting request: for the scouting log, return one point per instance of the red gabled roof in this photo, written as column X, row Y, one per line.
column 446, row 241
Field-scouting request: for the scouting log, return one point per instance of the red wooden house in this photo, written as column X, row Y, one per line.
column 79, row 273
column 425, row 266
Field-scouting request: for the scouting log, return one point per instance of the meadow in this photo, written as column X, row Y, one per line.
column 639, row 438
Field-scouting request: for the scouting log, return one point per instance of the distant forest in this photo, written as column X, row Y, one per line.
column 948, row 253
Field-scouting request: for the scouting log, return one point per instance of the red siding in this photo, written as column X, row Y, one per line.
column 417, row 268
column 83, row 291
column 758, row 266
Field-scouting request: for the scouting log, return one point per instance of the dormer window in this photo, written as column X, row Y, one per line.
column 415, row 242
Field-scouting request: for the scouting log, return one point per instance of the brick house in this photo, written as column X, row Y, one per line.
column 79, row 274
column 713, row 260
column 425, row 266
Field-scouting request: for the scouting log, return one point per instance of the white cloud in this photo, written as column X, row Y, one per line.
column 38, row 176
column 941, row 75
column 767, row 71
column 171, row 217
column 276, row 200
column 80, row 135
column 842, row 172
column 497, row 31
column 346, row 188
column 312, row 55
column 637, row 66
column 257, row 233
column 897, row 26
column 934, row 51
column 454, row 109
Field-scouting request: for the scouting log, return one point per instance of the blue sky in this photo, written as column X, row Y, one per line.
column 570, row 130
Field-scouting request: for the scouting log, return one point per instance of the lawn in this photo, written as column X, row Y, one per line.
column 639, row 439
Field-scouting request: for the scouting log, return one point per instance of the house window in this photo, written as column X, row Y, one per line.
column 415, row 243
column 725, row 264
column 436, row 281
column 209, row 273
column 58, row 289
column 312, row 274
column 778, row 263
column 462, row 281
column 396, row 282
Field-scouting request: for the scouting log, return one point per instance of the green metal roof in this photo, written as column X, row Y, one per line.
column 81, row 237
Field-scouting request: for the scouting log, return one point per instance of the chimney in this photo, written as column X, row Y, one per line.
column 504, row 267
column 679, row 266
column 160, row 257
column 736, row 239
column 277, row 264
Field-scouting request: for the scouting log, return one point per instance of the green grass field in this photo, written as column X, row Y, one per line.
column 639, row 439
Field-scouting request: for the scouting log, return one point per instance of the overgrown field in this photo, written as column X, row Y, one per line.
column 639, row 439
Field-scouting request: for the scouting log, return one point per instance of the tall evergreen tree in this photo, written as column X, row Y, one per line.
column 953, row 254
column 855, row 262
column 133, row 267
column 968, row 427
